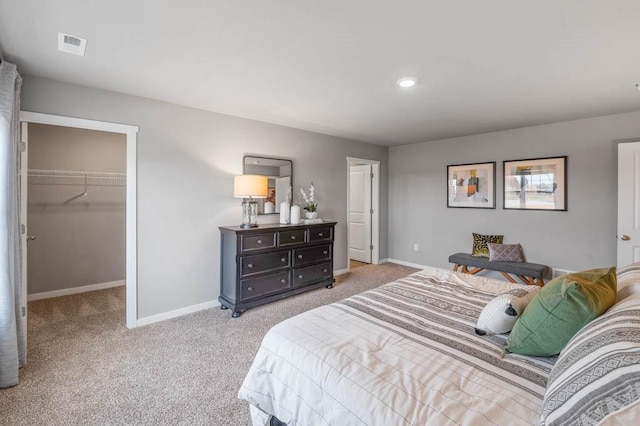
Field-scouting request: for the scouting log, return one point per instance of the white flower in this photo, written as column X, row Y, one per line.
column 304, row 195
column 310, row 201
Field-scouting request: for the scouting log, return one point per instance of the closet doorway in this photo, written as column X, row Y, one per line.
column 363, row 211
column 78, row 208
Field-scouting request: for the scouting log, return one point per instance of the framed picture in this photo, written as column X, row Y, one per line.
column 472, row 185
column 536, row 184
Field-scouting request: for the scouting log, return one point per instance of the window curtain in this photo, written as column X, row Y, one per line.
column 13, row 327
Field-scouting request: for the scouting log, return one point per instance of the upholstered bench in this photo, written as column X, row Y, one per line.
column 529, row 273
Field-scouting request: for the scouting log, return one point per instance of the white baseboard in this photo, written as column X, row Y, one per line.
column 75, row 290
column 341, row 271
column 177, row 313
column 385, row 260
column 402, row 262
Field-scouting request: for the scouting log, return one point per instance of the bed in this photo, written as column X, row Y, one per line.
column 405, row 353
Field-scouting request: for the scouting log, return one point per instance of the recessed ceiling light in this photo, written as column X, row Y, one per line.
column 406, row 82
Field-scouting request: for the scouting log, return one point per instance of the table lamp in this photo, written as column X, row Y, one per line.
column 249, row 187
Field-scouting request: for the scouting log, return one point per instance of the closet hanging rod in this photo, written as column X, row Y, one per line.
column 71, row 173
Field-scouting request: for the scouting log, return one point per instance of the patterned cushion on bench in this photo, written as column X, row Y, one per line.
column 480, row 242
column 505, row 252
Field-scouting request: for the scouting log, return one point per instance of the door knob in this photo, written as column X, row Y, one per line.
column 625, row 238
column 31, row 237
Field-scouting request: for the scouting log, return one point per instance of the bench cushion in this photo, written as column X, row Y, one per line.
column 519, row 268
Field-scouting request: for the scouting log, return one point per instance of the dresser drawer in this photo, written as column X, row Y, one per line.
column 261, row 286
column 311, row 274
column 288, row 238
column 258, row 263
column 320, row 234
column 305, row 256
column 257, row 241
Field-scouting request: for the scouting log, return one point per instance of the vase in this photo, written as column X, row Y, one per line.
column 284, row 212
column 295, row 215
column 311, row 215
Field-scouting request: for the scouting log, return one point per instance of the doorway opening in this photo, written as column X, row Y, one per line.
column 77, row 199
column 363, row 212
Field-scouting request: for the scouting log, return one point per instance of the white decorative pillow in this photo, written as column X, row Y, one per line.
column 501, row 313
column 596, row 379
column 628, row 279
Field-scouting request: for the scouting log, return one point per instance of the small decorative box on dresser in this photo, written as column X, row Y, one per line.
column 271, row 262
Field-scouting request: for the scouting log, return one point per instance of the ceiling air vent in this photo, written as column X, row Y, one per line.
column 71, row 44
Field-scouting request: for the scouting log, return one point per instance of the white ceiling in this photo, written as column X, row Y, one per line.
column 330, row 66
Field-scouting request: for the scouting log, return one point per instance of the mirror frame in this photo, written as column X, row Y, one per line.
column 259, row 157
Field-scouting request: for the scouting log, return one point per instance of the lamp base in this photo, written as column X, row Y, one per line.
column 249, row 225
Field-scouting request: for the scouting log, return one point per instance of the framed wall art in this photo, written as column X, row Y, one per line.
column 472, row 185
column 536, row 184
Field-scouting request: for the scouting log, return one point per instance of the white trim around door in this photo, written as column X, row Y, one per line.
column 131, row 210
column 375, row 206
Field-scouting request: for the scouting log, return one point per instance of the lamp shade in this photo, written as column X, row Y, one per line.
column 250, row 186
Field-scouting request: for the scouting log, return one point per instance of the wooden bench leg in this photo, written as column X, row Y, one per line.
column 526, row 280
column 470, row 271
column 507, row 276
column 455, row 267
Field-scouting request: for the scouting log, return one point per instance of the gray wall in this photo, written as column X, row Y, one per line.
column 186, row 162
column 82, row 241
column 583, row 237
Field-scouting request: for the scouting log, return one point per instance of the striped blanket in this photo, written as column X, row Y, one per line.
column 405, row 353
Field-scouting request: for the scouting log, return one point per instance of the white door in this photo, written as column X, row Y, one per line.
column 628, row 203
column 23, row 212
column 360, row 213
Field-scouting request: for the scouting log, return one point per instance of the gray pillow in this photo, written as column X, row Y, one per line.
column 505, row 252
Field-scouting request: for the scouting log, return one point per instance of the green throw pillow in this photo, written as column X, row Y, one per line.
column 480, row 248
column 560, row 309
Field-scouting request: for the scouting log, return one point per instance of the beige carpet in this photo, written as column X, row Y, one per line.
column 86, row 368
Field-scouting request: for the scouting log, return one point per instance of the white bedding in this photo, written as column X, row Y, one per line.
column 403, row 354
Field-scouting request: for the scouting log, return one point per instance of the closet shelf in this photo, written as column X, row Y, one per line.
column 76, row 178
column 71, row 173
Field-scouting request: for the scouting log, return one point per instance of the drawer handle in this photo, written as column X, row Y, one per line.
column 249, row 288
column 283, row 259
column 320, row 234
column 283, row 281
column 293, row 237
column 300, row 276
column 299, row 256
column 325, row 270
column 325, row 252
column 250, row 266
column 259, row 241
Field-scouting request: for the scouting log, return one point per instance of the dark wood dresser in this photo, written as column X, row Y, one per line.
column 271, row 262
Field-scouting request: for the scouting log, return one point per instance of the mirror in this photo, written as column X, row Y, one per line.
column 280, row 177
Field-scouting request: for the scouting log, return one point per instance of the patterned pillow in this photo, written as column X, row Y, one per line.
column 480, row 242
column 628, row 280
column 505, row 252
column 598, row 373
column 499, row 315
